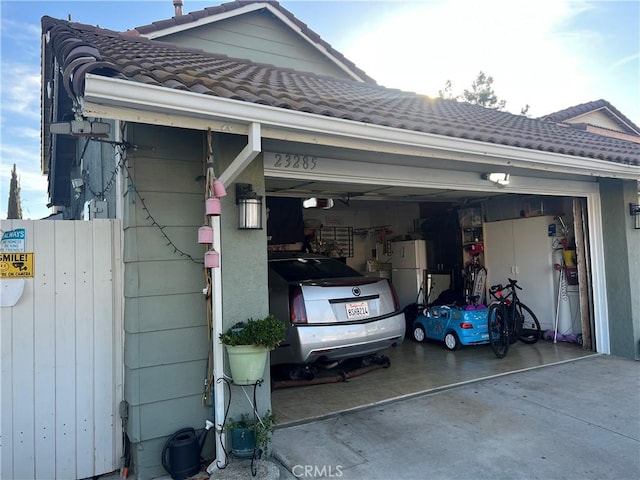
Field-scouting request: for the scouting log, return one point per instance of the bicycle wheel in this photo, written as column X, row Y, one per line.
column 498, row 336
column 530, row 331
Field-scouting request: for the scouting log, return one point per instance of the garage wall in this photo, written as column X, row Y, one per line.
column 622, row 263
column 166, row 346
column 367, row 216
column 243, row 261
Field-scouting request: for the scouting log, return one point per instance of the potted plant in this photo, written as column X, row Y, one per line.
column 248, row 344
column 249, row 436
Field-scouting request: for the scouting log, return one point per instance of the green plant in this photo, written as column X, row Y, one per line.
column 263, row 428
column 266, row 332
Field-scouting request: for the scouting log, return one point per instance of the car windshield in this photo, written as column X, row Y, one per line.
column 297, row 269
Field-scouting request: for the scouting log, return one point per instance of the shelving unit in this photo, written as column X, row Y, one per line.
column 337, row 240
column 473, row 255
column 471, row 236
column 253, row 402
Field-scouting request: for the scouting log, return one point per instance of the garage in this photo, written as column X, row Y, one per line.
column 395, row 166
column 463, row 224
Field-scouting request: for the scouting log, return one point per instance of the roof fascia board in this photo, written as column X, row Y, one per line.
column 248, row 9
column 315, row 45
column 607, row 112
column 301, row 126
column 204, row 21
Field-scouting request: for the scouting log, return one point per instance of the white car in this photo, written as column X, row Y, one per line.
column 332, row 312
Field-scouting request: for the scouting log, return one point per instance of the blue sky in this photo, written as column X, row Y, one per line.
column 549, row 54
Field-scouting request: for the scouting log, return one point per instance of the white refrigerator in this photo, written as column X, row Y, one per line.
column 408, row 269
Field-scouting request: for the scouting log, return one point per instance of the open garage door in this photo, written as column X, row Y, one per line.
column 380, row 204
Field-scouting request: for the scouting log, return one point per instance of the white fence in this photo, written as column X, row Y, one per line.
column 61, row 346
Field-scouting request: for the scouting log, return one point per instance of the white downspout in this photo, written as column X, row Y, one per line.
column 245, row 157
column 242, row 160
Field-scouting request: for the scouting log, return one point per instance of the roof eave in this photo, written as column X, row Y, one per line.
column 109, row 97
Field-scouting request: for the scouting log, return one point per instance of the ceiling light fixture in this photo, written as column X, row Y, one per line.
column 501, row 179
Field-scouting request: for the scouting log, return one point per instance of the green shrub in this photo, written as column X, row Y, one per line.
column 266, row 332
column 263, row 428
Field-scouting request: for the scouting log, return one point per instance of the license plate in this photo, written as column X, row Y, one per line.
column 357, row 310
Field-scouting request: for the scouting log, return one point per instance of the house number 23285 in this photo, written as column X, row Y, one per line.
column 302, row 162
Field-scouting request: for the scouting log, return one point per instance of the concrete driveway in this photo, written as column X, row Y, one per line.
column 574, row 420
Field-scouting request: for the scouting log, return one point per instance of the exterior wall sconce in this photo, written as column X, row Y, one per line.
column 501, row 179
column 634, row 211
column 77, row 184
column 249, row 207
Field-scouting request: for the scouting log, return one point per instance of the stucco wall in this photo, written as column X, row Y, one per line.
column 622, row 263
column 166, row 331
column 243, row 263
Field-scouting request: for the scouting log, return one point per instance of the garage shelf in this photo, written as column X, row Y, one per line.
column 337, row 239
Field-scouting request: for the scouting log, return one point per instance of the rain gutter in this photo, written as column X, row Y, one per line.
column 110, row 98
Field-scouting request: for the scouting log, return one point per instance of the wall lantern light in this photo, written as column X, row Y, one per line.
column 634, row 211
column 501, row 179
column 249, row 207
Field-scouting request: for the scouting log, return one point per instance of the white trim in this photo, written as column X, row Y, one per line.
column 101, row 90
column 203, row 21
column 220, row 396
column 248, row 9
column 244, row 158
column 342, row 171
column 598, row 274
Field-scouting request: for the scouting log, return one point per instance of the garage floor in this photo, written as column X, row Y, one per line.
column 415, row 368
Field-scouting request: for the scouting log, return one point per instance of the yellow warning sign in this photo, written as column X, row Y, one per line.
column 16, row 265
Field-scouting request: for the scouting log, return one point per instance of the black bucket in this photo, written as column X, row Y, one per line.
column 181, row 454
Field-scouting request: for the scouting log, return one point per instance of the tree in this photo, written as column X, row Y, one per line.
column 447, row 92
column 481, row 93
column 14, row 209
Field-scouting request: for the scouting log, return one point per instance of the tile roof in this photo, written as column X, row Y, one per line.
column 81, row 49
column 577, row 110
column 230, row 7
